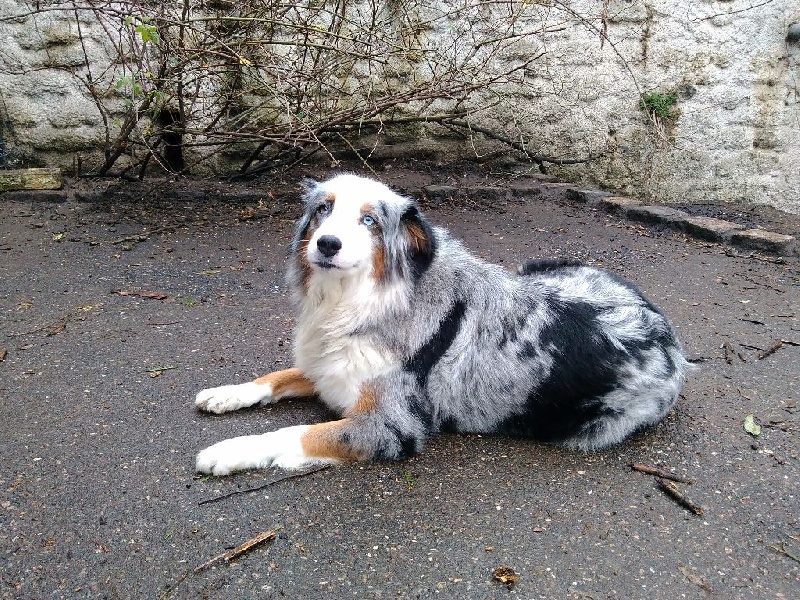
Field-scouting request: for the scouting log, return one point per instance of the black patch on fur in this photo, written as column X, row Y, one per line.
column 421, row 256
column 388, row 448
column 420, row 409
column 585, row 368
column 449, row 425
column 544, row 265
column 512, row 324
column 421, row 363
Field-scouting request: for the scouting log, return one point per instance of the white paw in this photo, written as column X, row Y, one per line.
column 279, row 448
column 233, row 397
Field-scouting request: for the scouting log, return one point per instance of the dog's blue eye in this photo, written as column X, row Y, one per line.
column 368, row 221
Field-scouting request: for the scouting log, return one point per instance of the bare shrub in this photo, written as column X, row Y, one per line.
column 266, row 83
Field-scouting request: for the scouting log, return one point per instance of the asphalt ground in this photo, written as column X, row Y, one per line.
column 114, row 312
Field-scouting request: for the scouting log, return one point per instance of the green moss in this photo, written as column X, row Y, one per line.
column 662, row 105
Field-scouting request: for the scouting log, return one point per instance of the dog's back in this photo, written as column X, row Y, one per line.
column 563, row 352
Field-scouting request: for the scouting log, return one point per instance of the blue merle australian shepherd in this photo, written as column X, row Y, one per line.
column 404, row 333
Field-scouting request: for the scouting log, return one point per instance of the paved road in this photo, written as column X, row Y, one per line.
column 98, row 498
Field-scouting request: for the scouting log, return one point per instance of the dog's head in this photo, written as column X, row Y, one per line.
column 355, row 226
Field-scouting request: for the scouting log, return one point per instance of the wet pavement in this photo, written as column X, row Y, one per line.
column 115, row 311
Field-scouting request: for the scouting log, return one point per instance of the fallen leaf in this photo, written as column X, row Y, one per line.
column 3, row 353
column 87, row 307
column 505, row 575
column 751, row 427
column 57, row 237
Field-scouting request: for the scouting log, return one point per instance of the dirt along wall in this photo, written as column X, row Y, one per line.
column 685, row 101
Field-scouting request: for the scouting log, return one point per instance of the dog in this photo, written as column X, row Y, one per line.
column 404, row 333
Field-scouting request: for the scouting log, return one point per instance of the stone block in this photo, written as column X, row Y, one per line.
column 526, row 189
column 768, row 241
column 31, row 179
column 487, row 192
column 559, row 186
column 658, row 214
column 709, row 228
column 619, row 203
column 587, row 196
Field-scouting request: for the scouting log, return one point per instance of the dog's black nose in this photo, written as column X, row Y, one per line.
column 329, row 245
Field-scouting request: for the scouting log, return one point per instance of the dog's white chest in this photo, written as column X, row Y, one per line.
column 338, row 363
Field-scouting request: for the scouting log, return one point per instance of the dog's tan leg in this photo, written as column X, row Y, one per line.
column 327, row 441
column 289, row 448
column 290, row 383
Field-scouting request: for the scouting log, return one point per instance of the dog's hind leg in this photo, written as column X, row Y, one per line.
column 290, row 383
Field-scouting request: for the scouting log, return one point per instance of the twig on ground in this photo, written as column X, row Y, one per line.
column 54, row 328
column 782, row 550
column 242, row 548
column 771, row 350
column 142, row 237
column 673, row 492
column 143, row 294
column 170, row 589
column 658, row 473
column 730, row 353
column 266, row 485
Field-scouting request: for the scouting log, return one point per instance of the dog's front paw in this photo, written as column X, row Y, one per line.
column 281, row 448
column 235, row 454
column 233, row 397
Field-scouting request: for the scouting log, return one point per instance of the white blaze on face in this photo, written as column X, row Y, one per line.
column 342, row 242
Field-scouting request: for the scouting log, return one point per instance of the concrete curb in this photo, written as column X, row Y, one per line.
column 705, row 228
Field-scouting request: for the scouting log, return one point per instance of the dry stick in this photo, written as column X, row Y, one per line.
column 658, row 473
column 55, row 327
column 242, row 548
column 771, row 350
column 141, row 237
column 782, row 550
column 266, row 485
column 673, row 492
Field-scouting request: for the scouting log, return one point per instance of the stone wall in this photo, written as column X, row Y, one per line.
column 732, row 67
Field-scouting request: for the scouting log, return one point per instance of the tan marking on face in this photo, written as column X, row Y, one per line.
column 324, row 440
column 377, row 251
column 416, row 237
column 288, row 383
column 377, row 262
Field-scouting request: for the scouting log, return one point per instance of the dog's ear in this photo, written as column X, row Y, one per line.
column 308, row 185
column 421, row 239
